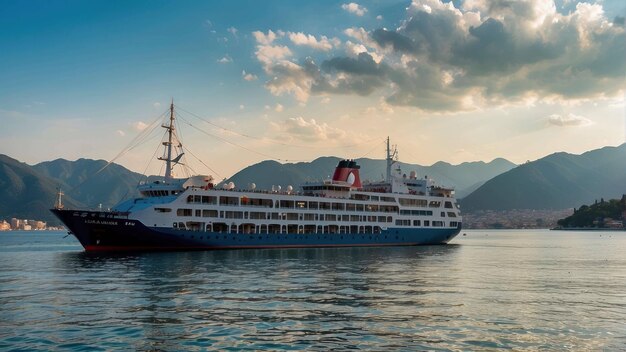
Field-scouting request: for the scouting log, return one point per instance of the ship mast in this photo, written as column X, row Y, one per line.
column 390, row 159
column 168, row 145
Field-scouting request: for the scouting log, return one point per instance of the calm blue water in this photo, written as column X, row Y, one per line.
column 523, row 290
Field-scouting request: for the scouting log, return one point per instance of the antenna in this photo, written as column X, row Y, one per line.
column 392, row 157
column 59, row 202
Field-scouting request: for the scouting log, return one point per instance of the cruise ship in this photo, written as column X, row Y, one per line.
column 196, row 214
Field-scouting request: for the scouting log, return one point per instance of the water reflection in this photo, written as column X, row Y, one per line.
column 516, row 290
column 293, row 296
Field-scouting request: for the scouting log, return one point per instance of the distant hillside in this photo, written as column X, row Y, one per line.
column 594, row 215
column 82, row 181
column 466, row 176
column 27, row 194
column 558, row 181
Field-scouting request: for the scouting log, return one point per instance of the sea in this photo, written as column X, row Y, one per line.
column 524, row 290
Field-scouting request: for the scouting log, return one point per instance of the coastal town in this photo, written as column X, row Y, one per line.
column 27, row 225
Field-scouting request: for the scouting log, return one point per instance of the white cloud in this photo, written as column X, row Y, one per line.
column 120, row 133
column 379, row 17
column 268, row 54
column 139, row 125
column 265, row 39
column 241, row 107
column 443, row 58
column 310, row 130
column 248, row 76
column 156, row 105
column 354, row 50
column 233, row 31
column 225, row 60
column 278, row 108
column 569, row 120
column 354, row 8
column 309, row 40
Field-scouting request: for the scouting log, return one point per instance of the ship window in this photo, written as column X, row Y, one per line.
column 229, row 200
column 417, row 222
column 345, row 217
column 300, row 204
column 233, row 215
column 374, row 198
column 360, row 197
column 324, row 205
column 257, row 215
column 209, row 200
column 388, row 199
column 382, row 219
column 162, row 210
column 183, row 212
column 286, row 204
column 402, row 222
column 451, row 214
column 443, row 214
column 338, row 206
column 438, row 223
column 313, row 205
column 331, row 217
column 309, row 217
column 453, row 223
column 350, row 207
column 355, row 218
column 292, row 216
column 426, row 222
column 209, row 213
column 434, row 204
column 359, row 207
column 449, row 205
column 413, row 202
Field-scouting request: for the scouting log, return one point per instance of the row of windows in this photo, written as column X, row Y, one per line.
column 291, row 204
column 328, row 206
column 279, row 216
column 427, row 223
column 275, row 228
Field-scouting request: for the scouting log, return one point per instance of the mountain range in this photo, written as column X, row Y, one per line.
column 557, row 181
column 464, row 177
column 28, row 192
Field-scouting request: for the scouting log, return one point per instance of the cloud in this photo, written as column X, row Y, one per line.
column 481, row 54
column 309, row 40
column 120, row 133
column 156, row 105
column 268, row 54
column 139, row 125
column 278, row 108
column 225, row 60
column 248, row 76
column 241, row 107
column 265, row 39
column 233, row 31
column 354, row 8
column 299, row 128
column 569, row 120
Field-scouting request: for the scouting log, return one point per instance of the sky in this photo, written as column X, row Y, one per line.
column 292, row 81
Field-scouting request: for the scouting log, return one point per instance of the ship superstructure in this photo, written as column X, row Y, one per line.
column 194, row 213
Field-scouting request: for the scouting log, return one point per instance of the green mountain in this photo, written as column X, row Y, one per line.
column 464, row 177
column 86, row 181
column 557, row 181
column 27, row 194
